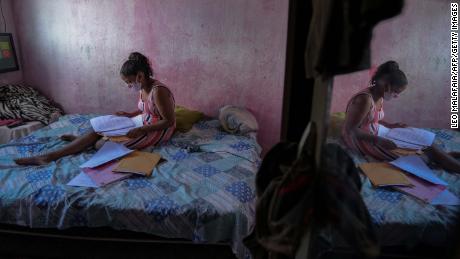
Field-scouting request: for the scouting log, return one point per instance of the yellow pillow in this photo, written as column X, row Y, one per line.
column 185, row 118
column 335, row 124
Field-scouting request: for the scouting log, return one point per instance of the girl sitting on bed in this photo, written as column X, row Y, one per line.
column 156, row 104
column 364, row 114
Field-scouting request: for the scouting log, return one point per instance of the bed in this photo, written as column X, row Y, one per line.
column 204, row 192
column 402, row 220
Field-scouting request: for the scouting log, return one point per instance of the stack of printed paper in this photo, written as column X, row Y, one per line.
column 111, row 125
column 410, row 138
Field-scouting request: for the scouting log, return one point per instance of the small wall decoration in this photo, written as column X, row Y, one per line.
column 8, row 59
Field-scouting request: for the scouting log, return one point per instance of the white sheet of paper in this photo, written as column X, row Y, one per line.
column 137, row 121
column 401, row 144
column 412, row 135
column 113, row 133
column 415, row 165
column 446, row 198
column 82, row 180
column 108, row 152
column 111, row 122
column 383, row 131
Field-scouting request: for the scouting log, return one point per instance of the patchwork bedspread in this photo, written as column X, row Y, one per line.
column 402, row 219
column 204, row 192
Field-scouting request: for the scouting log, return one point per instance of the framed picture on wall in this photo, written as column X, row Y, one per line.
column 8, row 59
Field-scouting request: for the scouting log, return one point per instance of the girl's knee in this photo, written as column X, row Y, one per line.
column 99, row 143
column 432, row 151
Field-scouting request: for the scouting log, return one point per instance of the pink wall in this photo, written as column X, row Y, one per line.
column 210, row 53
column 14, row 76
column 419, row 40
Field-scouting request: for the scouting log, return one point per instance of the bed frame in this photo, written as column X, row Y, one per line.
column 103, row 242
column 320, row 250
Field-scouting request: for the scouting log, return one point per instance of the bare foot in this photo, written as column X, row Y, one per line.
column 36, row 160
column 68, row 137
column 99, row 143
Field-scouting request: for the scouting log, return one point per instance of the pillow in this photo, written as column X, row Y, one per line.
column 237, row 120
column 335, row 124
column 185, row 118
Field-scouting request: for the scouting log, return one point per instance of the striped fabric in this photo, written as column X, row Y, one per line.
column 24, row 102
column 371, row 126
column 151, row 115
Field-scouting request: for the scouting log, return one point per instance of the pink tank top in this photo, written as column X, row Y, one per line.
column 370, row 125
column 150, row 113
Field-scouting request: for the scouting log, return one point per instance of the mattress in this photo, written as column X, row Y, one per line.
column 402, row 220
column 204, row 192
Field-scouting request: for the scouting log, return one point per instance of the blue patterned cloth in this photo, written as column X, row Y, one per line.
column 204, row 192
column 402, row 219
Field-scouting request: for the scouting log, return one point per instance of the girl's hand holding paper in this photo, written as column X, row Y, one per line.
column 122, row 113
column 399, row 125
column 386, row 143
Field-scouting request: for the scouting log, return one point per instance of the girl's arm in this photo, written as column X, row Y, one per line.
column 135, row 113
column 128, row 114
column 357, row 111
column 393, row 125
column 386, row 124
column 165, row 108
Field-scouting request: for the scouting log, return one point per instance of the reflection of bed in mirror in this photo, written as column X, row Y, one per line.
column 401, row 220
column 204, row 193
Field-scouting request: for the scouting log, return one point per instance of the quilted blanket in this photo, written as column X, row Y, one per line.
column 402, row 219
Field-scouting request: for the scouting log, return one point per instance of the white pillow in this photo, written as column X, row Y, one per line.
column 237, row 120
